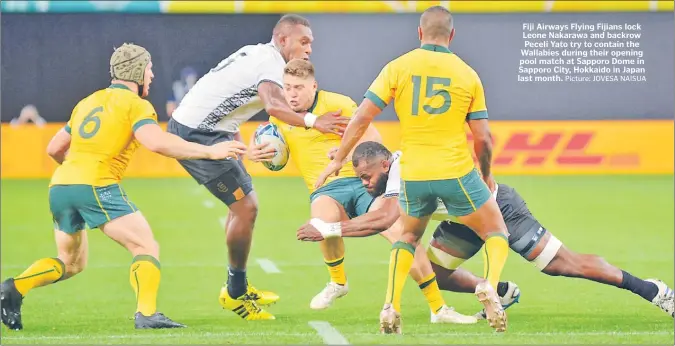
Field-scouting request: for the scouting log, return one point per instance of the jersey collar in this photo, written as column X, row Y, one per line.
column 435, row 48
column 316, row 99
column 118, row 86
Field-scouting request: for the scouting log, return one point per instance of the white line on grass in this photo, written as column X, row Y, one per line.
column 208, row 265
column 223, row 221
column 209, row 204
column 153, row 336
column 322, row 324
column 330, row 335
column 268, row 266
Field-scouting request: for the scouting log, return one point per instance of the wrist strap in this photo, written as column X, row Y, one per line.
column 310, row 119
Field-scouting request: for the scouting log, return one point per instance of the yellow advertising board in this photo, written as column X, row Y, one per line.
column 520, row 148
column 456, row 6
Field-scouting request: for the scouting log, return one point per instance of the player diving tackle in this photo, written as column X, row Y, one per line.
column 434, row 92
column 453, row 243
column 342, row 197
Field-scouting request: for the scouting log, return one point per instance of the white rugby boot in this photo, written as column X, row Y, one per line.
column 327, row 296
column 665, row 299
column 449, row 315
column 511, row 297
column 494, row 311
column 390, row 320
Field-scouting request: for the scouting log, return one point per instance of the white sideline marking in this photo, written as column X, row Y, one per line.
column 328, row 333
column 209, row 204
column 268, row 266
column 263, row 334
column 223, row 221
column 153, row 336
column 207, row 265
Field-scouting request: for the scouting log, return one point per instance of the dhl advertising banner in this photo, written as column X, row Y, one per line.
column 520, row 147
column 250, row 6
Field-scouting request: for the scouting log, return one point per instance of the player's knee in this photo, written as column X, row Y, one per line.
column 74, row 267
column 411, row 238
column 149, row 247
column 245, row 209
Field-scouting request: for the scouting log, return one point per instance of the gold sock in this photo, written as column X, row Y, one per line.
column 400, row 262
column 41, row 273
column 144, row 276
column 431, row 292
column 495, row 252
column 336, row 269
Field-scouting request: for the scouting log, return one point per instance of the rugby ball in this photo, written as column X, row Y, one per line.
column 269, row 133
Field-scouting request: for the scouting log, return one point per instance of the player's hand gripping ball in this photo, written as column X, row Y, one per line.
column 269, row 133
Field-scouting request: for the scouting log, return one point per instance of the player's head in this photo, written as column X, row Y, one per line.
column 299, row 84
column 293, row 36
column 436, row 26
column 132, row 63
column 371, row 164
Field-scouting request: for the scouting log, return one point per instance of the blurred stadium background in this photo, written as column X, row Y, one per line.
column 594, row 161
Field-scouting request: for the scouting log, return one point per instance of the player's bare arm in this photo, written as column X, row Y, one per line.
column 59, row 145
column 482, row 145
column 356, row 129
column 159, row 141
column 370, row 223
column 275, row 105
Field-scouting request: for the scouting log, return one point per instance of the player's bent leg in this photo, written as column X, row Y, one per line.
column 72, row 249
column 235, row 188
column 263, row 298
column 71, row 245
column 422, row 272
column 417, row 204
column 133, row 232
column 451, row 245
column 328, row 209
column 476, row 208
column 554, row 259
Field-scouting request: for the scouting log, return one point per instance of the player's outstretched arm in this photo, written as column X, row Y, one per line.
column 482, row 145
column 384, row 213
column 360, row 122
column 159, row 141
column 381, row 217
column 59, row 145
column 275, row 105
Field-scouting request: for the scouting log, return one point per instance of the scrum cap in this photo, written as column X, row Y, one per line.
column 128, row 63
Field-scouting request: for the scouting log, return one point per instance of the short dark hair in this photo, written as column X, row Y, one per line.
column 293, row 19
column 369, row 151
column 436, row 22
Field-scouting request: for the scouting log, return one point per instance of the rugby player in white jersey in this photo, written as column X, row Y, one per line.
column 240, row 86
column 453, row 243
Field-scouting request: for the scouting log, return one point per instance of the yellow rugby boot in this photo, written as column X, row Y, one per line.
column 263, row 298
column 243, row 306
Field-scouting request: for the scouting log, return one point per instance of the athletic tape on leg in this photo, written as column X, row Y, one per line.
column 549, row 252
column 443, row 259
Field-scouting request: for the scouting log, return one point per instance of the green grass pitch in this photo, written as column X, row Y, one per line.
column 626, row 219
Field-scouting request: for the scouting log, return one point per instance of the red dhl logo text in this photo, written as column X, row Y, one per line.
column 536, row 149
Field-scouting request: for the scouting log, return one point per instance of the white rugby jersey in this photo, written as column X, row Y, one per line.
column 394, row 180
column 394, row 188
column 227, row 95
